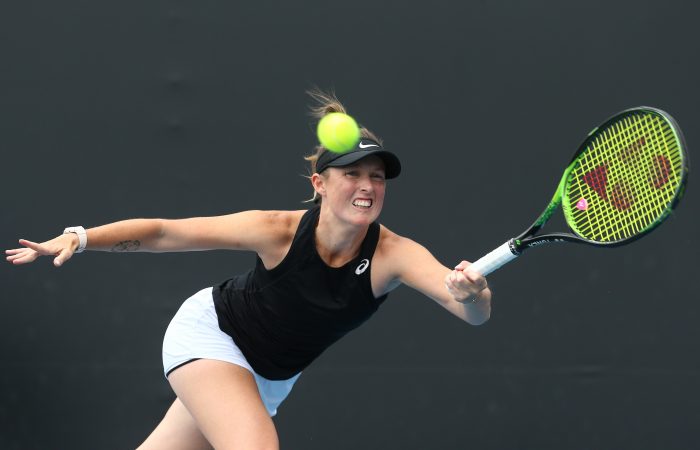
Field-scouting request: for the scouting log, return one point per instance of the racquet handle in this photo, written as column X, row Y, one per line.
column 495, row 259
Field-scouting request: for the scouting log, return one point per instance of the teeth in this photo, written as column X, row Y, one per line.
column 363, row 203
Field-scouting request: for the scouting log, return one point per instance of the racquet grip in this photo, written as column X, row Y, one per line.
column 495, row 259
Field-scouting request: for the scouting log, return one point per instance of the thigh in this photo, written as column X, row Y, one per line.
column 224, row 401
column 177, row 431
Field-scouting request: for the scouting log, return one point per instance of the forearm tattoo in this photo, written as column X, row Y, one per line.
column 126, row 246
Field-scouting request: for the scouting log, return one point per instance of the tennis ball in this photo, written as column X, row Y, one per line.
column 338, row 132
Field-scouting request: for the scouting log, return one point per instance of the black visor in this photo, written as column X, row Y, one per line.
column 363, row 149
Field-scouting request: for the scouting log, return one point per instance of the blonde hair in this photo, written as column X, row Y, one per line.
column 326, row 102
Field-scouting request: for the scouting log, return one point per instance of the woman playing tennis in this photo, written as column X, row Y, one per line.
column 233, row 352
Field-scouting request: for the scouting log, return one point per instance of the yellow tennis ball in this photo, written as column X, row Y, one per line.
column 338, row 132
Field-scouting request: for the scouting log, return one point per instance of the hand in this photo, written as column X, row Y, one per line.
column 62, row 247
column 466, row 286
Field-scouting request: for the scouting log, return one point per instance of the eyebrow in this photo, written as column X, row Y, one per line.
column 358, row 164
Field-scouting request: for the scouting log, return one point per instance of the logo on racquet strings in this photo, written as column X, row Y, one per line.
column 623, row 194
column 364, row 264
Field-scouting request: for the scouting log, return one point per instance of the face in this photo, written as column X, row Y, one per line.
column 354, row 193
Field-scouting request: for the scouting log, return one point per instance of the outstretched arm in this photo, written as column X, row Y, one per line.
column 460, row 291
column 251, row 230
column 126, row 235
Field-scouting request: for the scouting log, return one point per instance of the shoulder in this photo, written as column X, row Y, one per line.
column 278, row 223
column 277, row 218
column 393, row 250
column 390, row 242
column 400, row 255
column 275, row 231
column 398, row 259
column 253, row 229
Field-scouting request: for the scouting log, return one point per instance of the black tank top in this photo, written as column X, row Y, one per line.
column 284, row 318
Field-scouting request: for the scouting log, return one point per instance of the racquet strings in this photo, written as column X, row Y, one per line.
column 626, row 179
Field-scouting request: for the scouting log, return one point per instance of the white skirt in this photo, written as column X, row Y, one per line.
column 194, row 334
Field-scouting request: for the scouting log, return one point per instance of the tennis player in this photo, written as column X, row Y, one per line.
column 233, row 351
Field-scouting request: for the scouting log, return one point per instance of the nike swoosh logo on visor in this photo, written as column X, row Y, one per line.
column 367, row 145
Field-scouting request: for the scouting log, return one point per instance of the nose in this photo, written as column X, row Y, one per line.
column 365, row 184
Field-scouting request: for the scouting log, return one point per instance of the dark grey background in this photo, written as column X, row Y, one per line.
column 112, row 110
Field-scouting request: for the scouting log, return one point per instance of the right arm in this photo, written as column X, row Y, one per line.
column 259, row 231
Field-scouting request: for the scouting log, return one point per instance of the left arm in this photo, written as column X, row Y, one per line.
column 462, row 292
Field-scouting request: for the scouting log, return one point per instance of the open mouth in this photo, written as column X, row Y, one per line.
column 362, row 203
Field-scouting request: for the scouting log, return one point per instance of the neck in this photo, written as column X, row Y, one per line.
column 338, row 242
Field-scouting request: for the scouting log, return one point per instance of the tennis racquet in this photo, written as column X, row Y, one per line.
column 623, row 181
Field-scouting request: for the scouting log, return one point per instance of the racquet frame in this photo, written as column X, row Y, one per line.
column 515, row 246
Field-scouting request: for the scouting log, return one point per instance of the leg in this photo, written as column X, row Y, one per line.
column 177, row 430
column 224, row 401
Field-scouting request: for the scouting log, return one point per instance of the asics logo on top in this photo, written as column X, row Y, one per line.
column 364, row 264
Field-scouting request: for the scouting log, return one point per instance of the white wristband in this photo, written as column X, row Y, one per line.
column 82, row 237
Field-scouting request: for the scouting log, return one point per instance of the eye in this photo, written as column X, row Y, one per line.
column 378, row 176
column 351, row 173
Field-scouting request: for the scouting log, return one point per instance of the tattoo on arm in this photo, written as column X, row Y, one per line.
column 126, row 246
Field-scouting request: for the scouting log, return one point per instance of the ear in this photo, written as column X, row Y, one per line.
column 319, row 184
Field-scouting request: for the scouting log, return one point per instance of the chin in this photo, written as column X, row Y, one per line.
column 365, row 217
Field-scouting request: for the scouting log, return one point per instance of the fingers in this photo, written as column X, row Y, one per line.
column 465, row 277
column 462, row 265
column 41, row 248
column 452, row 288
column 32, row 250
column 463, row 284
column 21, row 255
column 62, row 257
column 474, row 277
column 455, row 281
